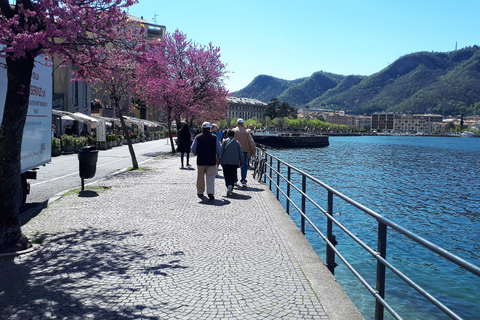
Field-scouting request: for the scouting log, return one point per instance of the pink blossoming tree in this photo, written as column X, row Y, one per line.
column 73, row 30
column 183, row 79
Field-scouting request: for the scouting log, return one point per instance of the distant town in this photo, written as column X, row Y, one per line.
column 378, row 122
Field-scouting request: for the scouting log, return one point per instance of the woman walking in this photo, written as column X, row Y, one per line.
column 184, row 142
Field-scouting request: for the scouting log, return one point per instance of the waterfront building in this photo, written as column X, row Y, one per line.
column 245, row 108
column 406, row 123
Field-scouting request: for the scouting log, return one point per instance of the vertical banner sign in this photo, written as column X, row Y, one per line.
column 37, row 133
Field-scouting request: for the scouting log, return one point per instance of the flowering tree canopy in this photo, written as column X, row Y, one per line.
column 183, row 79
column 75, row 31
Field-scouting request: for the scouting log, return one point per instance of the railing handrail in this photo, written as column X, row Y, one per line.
column 383, row 222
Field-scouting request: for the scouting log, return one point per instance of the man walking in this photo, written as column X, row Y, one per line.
column 248, row 148
column 207, row 149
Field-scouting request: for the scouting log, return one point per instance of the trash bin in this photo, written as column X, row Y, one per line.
column 87, row 158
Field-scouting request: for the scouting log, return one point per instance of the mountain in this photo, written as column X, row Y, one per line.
column 422, row 82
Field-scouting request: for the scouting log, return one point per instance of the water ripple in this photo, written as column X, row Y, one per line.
column 428, row 185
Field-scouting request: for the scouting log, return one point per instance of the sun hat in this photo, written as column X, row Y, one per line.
column 240, row 121
column 206, row 125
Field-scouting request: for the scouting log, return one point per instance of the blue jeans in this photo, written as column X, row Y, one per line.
column 244, row 168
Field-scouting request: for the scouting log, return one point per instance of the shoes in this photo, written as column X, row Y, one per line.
column 182, row 166
column 189, row 165
column 244, row 183
column 229, row 190
column 210, row 196
column 200, row 195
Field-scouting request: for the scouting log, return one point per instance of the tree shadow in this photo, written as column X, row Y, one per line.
column 155, row 154
column 31, row 210
column 83, row 273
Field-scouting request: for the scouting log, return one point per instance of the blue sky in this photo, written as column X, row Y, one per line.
column 293, row 39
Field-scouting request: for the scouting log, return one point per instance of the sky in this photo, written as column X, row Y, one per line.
column 294, row 39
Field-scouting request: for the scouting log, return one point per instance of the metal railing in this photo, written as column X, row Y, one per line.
column 266, row 171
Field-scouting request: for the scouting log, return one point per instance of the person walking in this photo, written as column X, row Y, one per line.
column 248, row 148
column 231, row 158
column 219, row 135
column 207, row 149
column 184, row 143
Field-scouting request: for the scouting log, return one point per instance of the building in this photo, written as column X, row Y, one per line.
column 406, row 123
column 383, row 121
column 245, row 108
column 335, row 117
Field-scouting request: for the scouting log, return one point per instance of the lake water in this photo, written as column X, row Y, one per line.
column 429, row 185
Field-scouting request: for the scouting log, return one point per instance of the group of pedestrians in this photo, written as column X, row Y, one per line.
column 231, row 153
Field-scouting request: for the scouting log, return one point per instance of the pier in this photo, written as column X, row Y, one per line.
column 141, row 245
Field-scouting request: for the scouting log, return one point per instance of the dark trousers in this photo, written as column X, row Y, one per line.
column 188, row 156
column 229, row 172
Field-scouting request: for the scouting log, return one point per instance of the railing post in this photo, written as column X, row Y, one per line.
column 304, row 190
column 265, row 156
column 289, row 173
column 270, row 174
column 278, row 179
column 382, row 250
column 330, row 261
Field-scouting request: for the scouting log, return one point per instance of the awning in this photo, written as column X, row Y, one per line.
column 83, row 118
column 77, row 116
column 141, row 121
column 66, row 117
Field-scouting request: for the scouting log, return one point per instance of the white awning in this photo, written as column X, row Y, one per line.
column 77, row 116
column 83, row 118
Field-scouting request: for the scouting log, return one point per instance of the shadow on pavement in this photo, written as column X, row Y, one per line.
column 215, row 202
column 31, row 210
column 81, row 261
column 88, row 194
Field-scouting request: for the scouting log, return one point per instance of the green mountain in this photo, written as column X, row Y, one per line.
column 422, row 82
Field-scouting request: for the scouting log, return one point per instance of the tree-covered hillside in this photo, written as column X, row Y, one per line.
column 423, row 82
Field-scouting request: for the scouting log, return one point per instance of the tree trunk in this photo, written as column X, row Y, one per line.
column 129, row 141
column 19, row 74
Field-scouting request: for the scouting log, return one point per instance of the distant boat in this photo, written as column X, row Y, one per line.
column 467, row 134
column 420, row 133
column 276, row 140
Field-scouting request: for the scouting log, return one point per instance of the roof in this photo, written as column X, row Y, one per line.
column 245, row 101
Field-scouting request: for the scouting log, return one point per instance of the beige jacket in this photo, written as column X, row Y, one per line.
column 245, row 139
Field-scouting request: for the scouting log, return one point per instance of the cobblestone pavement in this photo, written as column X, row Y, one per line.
column 142, row 245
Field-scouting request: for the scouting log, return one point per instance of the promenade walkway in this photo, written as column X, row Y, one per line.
column 141, row 245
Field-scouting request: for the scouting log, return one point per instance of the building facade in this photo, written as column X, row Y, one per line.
column 406, row 123
column 245, row 108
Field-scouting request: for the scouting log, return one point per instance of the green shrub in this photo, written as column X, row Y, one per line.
column 111, row 138
column 67, row 140
column 56, row 145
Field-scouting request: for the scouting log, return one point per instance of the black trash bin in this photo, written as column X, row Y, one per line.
column 87, row 158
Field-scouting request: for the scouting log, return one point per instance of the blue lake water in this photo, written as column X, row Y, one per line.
column 429, row 185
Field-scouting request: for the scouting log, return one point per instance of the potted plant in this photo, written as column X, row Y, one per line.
column 110, row 140
column 90, row 141
column 67, row 143
column 78, row 143
column 56, row 147
column 120, row 139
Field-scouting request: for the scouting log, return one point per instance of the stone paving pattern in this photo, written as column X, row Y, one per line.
column 141, row 245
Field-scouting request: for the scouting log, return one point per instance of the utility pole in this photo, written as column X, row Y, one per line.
column 155, row 18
